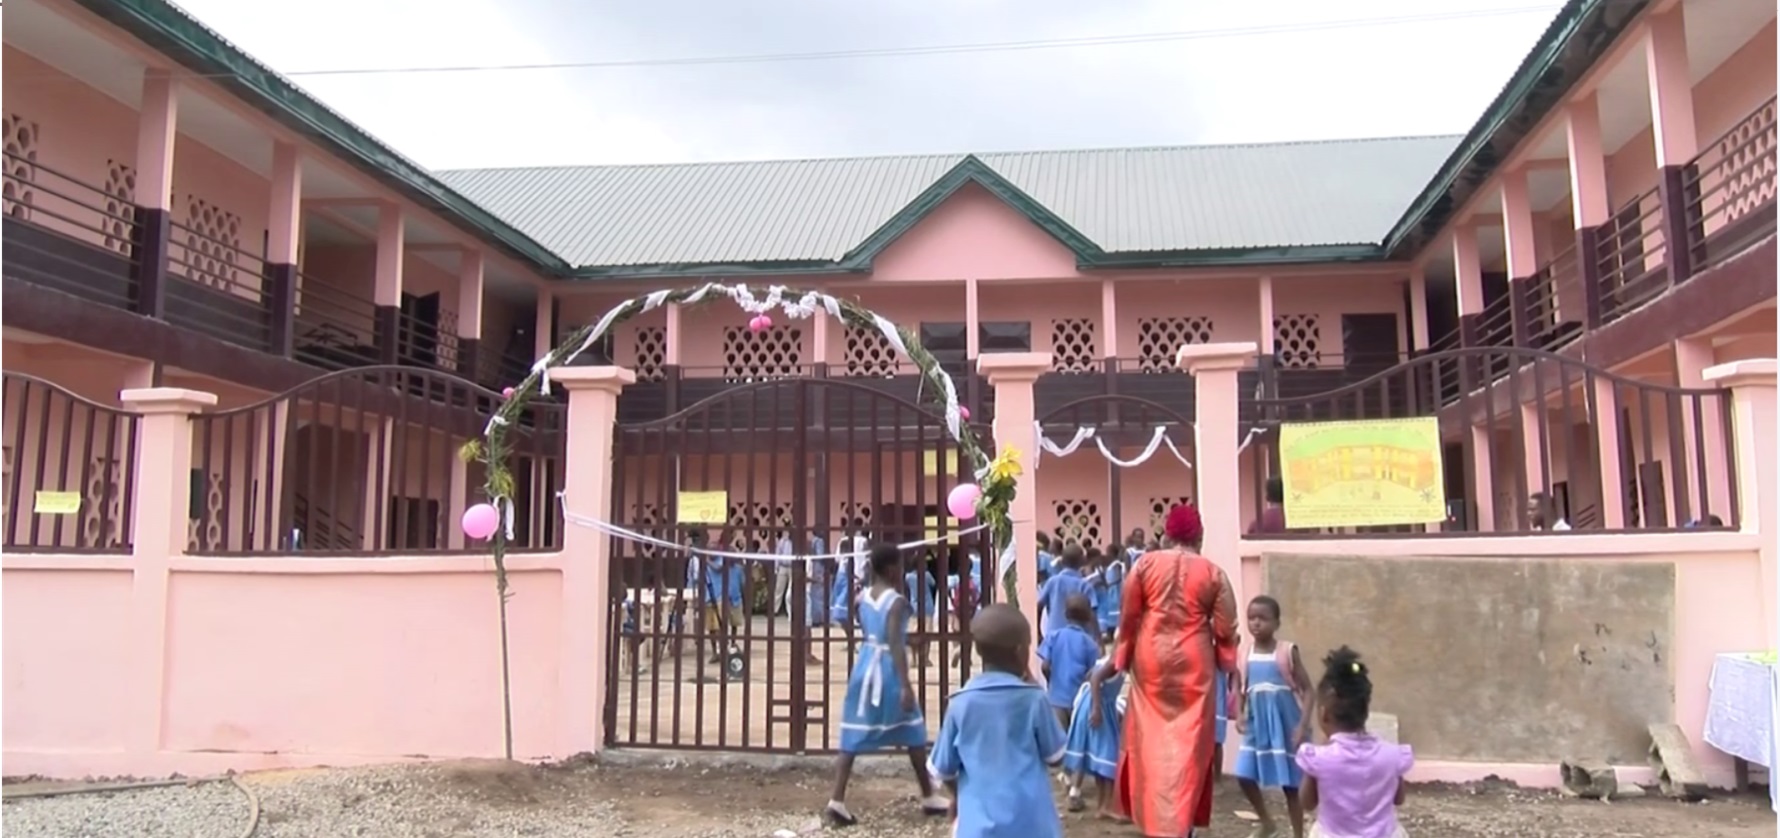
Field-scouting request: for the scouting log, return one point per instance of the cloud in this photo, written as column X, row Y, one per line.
column 1390, row 80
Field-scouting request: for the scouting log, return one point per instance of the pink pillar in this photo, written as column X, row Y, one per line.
column 157, row 128
column 163, row 494
column 1266, row 308
column 1692, row 358
column 1012, row 375
column 544, row 334
column 971, row 319
column 1532, row 451
column 671, row 335
column 1753, row 422
column 586, row 570
column 1467, row 268
column 1418, row 309
column 1109, row 320
column 1588, row 163
column 1671, row 88
column 1606, row 423
column 1517, row 225
column 284, row 223
column 391, row 230
column 469, row 294
column 819, row 338
column 1216, row 436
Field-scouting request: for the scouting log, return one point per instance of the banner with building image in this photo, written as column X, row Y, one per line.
column 1363, row 473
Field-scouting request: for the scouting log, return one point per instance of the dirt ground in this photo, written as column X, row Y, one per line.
column 682, row 799
column 688, row 800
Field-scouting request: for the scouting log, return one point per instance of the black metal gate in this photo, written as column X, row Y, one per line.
column 806, row 466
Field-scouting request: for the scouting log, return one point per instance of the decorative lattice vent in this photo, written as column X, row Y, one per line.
column 212, row 243
column 651, row 353
column 1297, row 340
column 1159, row 513
column 19, row 191
column 761, row 356
column 102, row 508
column 1078, row 521
column 1072, row 345
column 1158, row 338
column 869, row 353
column 120, row 207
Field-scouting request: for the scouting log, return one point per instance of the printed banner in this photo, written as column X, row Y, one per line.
column 1366, row 473
column 57, row 503
column 702, row 507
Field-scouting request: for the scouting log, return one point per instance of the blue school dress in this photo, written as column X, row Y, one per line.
column 998, row 736
column 840, row 605
column 1110, row 589
column 815, row 604
column 1070, row 651
column 1266, row 756
column 1222, row 694
column 921, row 594
column 872, row 718
column 1055, row 592
column 1094, row 749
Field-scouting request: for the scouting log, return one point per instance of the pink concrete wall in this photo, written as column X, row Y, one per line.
column 67, row 670
column 974, row 235
column 82, row 135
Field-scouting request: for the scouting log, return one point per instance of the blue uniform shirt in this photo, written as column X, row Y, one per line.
column 1071, row 653
column 998, row 735
column 1056, row 590
column 1045, row 566
column 723, row 582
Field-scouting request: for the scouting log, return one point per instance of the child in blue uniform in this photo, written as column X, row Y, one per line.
column 1046, row 558
column 918, row 587
column 1273, row 718
column 1068, row 580
column 1068, row 655
column 998, row 737
column 880, row 710
column 1097, row 719
column 1109, row 587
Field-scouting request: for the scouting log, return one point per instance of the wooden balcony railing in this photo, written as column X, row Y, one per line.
column 1729, row 191
column 64, row 234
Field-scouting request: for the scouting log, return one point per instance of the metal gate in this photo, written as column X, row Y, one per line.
column 806, row 466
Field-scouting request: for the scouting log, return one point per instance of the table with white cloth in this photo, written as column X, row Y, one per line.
column 1744, row 692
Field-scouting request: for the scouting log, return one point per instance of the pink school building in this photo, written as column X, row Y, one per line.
column 249, row 338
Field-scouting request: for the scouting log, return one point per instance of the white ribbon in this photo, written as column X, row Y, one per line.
column 654, row 301
column 641, row 538
column 1082, row 434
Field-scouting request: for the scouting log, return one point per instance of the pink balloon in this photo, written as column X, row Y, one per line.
column 962, row 502
column 506, row 392
column 760, row 323
column 964, row 413
column 480, row 521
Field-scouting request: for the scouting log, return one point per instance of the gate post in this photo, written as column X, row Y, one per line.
column 1753, row 427
column 1216, row 428
column 1012, row 375
column 586, row 554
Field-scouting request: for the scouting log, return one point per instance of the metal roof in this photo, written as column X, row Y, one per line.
column 1133, row 200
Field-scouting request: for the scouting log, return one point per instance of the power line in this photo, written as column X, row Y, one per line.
column 951, row 49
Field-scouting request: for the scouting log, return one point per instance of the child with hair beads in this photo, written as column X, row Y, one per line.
column 880, row 710
column 1354, row 783
column 1273, row 717
column 1068, row 654
column 997, row 738
column 1094, row 728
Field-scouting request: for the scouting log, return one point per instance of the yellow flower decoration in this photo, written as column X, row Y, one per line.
column 1006, row 466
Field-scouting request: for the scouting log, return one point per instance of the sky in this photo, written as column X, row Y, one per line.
column 1381, row 79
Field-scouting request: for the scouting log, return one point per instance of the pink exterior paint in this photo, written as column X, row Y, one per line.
column 974, row 235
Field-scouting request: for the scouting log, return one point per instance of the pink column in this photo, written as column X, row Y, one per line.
column 1753, row 423
column 1588, row 163
column 1109, row 320
column 163, row 496
column 1012, row 375
column 543, row 334
column 971, row 318
column 1517, row 225
column 1692, row 358
column 284, row 223
column 1216, row 436
column 469, row 294
column 586, row 569
column 819, row 338
column 671, row 335
column 1418, row 309
column 157, row 128
column 391, row 231
column 1606, row 422
column 1467, row 268
column 1265, row 305
column 1671, row 88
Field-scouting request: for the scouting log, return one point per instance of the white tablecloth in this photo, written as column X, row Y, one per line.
column 1740, row 713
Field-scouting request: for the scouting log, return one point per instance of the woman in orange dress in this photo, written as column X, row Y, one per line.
column 1177, row 626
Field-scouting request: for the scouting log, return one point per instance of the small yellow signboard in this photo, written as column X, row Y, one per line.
column 702, row 507
column 1366, row 473
column 57, row 503
column 930, row 464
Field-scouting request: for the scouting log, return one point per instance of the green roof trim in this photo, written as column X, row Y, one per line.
column 1544, row 77
column 970, row 170
column 185, row 39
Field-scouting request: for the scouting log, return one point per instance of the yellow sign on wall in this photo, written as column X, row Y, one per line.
column 932, row 526
column 1366, row 473
column 57, row 503
column 930, row 464
column 701, row 507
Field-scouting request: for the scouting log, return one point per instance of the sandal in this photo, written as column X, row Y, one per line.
column 936, row 806
column 836, row 815
column 1075, row 801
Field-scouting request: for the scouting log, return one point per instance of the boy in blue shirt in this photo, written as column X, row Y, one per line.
column 1069, row 654
column 1045, row 558
column 998, row 737
column 1056, row 590
column 723, row 589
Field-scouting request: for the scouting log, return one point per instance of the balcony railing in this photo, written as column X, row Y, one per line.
column 63, row 234
column 1729, row 189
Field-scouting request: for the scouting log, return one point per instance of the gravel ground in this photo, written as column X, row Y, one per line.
column 681, row 800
